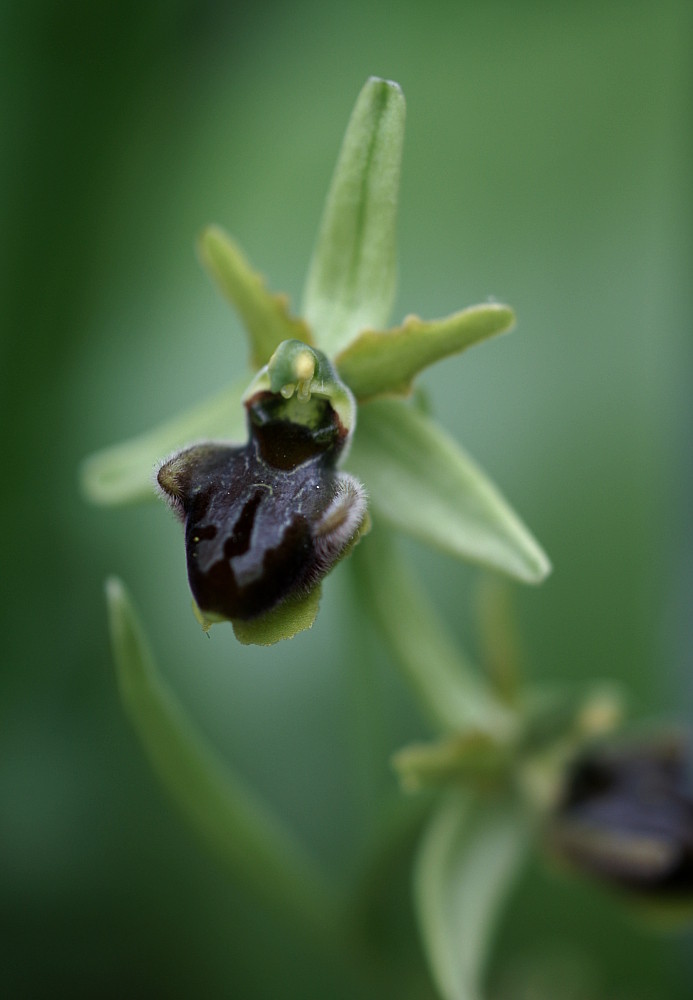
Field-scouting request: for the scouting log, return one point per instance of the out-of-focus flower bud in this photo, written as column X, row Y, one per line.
column 626, row 816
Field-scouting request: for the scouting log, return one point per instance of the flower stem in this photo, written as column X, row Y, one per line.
column 450, row 692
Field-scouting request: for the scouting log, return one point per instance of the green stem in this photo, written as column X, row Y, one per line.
column 234, row 822
column 450, row 692
column 351, row 281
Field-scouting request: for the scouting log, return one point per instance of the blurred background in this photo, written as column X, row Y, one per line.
column 548, row 163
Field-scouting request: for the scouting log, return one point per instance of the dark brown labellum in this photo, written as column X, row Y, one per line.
column 266, row 520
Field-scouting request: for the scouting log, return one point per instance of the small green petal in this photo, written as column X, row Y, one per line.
column 351, row 280
column 265, row 315
column 284, row 622
column 467, row 863
column 124, row 473
column 232, row 820
column 386, row 361
column 423, row 483
column 463, row 758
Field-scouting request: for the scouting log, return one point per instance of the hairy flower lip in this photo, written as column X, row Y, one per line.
column 265, row 521
column 257, row 535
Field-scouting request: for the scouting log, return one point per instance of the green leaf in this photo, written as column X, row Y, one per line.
column 424, row 484
column 386, row 361
column 447, row 686
column 124, row 473
column 265, row 315
column 351, row 280
column 466, row 865
column 228, row 817
column 284, row 622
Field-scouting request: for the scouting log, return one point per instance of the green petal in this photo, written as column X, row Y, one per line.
column 351, row 281
column 386, row 361
column 124, row 473
column 235, row 823
column 286, row 621
column 464, row 758
column 466, row 865
column 265, row 315
column 424, row 484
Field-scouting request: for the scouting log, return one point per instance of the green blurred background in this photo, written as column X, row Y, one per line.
column 548, row 164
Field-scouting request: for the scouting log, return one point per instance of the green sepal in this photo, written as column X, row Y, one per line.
column 467, row 863
column 386, row 361
column 351, row 279
column 124, row 473
column 283, row 622
column 421, row 482
column 233, row 821
column 264, row 315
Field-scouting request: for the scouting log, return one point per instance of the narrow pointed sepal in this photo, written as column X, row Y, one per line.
column 124, row 473
column 424, row 484
column 387, row 361
column 351, row 280
column 264, row 315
